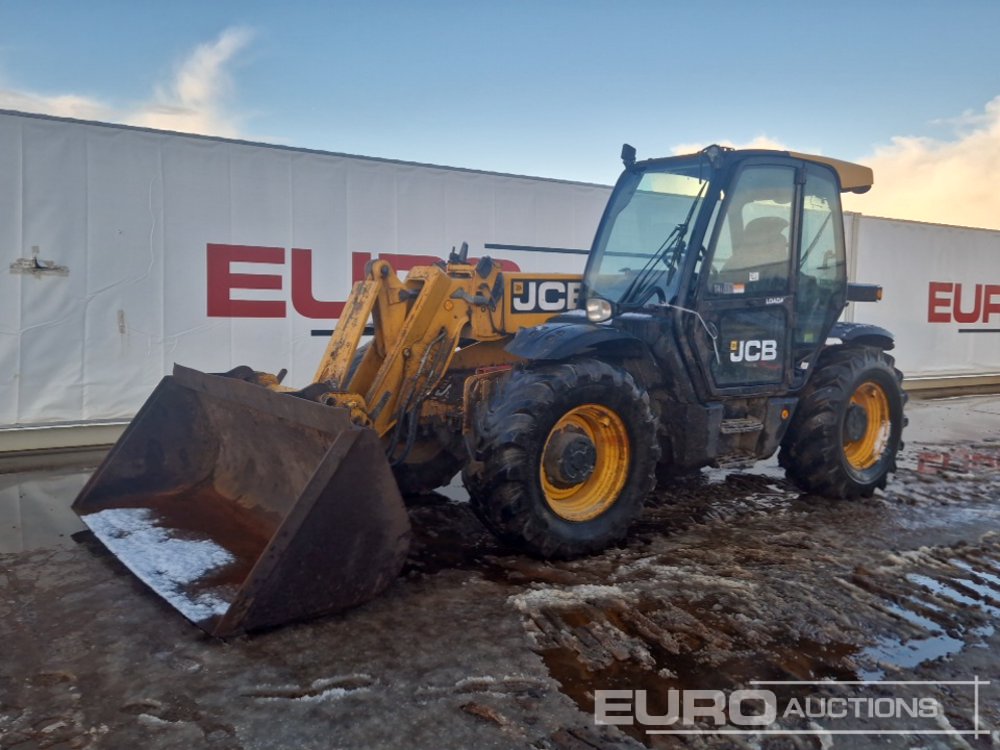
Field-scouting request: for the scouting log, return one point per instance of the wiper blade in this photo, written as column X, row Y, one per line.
column 640, row 284
column 675, row 244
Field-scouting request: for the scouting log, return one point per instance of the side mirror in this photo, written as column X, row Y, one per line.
column 628, row 156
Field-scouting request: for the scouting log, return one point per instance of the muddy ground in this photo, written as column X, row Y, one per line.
column 730, row 577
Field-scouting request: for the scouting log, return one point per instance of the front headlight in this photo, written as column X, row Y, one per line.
column 598, row 310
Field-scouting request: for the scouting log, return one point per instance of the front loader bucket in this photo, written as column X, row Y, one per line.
column 245, row 508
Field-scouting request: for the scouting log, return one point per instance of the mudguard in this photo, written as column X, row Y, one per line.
column 844, row 333
column 564, row 337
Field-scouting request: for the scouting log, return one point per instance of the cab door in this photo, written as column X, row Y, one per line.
column 745, row 294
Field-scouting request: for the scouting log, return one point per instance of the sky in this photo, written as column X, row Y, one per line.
column 544, row 87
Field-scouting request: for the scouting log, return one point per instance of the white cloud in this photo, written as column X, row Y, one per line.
column 951, row 180
column 195, row 101
column 948, row 181
column 64, row 105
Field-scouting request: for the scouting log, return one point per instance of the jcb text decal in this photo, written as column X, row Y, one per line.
column 544, row 295
column 753, row 350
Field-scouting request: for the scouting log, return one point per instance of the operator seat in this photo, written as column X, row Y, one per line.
column 761, row 257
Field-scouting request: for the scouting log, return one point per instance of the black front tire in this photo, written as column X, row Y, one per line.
column 512, row 428
column 814, row 450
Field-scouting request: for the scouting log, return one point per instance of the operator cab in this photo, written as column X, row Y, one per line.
column 740, row 252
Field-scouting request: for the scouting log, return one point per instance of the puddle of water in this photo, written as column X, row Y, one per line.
column 983, row 591
column 923, row 603
column 35, row 509
column 983, row 632
column 910, row 653
column 944, row 590
column 913, row 618
column 991, row 579
column 905, row 654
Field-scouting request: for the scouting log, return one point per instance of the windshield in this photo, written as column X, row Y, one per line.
column 642, row 243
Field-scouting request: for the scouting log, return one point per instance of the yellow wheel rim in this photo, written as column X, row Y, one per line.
column 866, row 451
column 597, row 492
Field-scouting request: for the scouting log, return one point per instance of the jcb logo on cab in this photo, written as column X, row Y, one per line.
column 753, row 350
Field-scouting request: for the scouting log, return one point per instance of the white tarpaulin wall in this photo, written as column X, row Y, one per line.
column 941, row 294
column 132, row 215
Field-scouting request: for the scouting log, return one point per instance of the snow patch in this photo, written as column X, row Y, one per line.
column 328, row 694
column 486, row 679
column 689, row 575
column 323, row 689
column 571, row 596
column 152, row 720
column 474, row 681
column 161, row 561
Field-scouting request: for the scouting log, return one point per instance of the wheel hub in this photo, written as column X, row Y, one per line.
column 856, row 423
column 570, row 458
column 585, row 462
column 867, row 426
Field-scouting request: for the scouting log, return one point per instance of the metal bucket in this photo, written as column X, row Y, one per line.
column 245, row 508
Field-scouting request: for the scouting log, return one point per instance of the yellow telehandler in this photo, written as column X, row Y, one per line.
column 703, row 331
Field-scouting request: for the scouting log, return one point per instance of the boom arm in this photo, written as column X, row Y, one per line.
column 418, row 324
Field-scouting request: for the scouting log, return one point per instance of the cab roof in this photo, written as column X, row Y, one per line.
column 854, row 178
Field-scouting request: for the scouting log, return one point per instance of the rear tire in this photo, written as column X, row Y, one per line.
column 564, row 458
column 847, row 429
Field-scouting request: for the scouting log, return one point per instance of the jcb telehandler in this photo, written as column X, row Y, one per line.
column 703, row 332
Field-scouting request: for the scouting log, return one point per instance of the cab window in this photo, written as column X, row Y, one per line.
column 753, row 244
column 822, row 264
